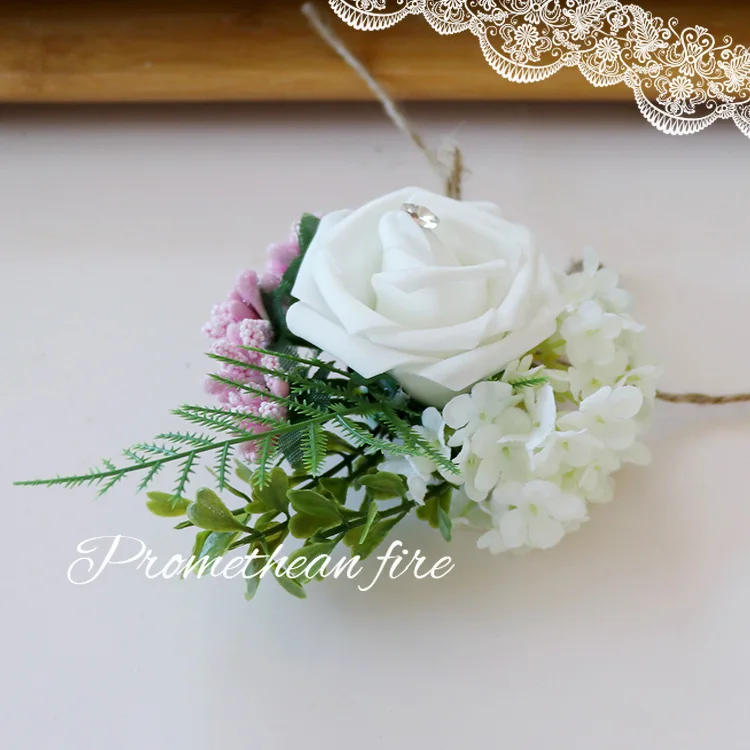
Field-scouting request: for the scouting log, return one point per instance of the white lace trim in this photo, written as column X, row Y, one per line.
column 683, row 80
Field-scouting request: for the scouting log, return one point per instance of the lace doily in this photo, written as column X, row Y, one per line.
column 683, row 79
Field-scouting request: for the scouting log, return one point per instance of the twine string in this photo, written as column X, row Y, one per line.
column 703, row 398
column 450, row 169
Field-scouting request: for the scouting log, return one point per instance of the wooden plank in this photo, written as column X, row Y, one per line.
column 235, row 50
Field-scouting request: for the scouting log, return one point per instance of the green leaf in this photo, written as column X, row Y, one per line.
column 237, row 493
column 378, row 532
column 387, row 383
column 439, row 498
column 314, row 504
column 383, row 485
column 217, row 543
column 291, row 585
column 337, row 444
column 308, row 226
column 209, row 512
column 303, row 525
column 372, row 514
column 336, row 487
column 186, row 468
column 212, row 544
column 268, row 447
column 273, row 541
column 310, row 552
column 200, row 540
column 244, row 473
column 444, row 523
column 273, row 495
column 222, row 466
column 166, row 505
column 314, row 448
column 266, row 520
column 352, row 536
column 251, row 584
column 256, row 507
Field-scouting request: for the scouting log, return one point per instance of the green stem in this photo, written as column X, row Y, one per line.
column 260, row 535
column 346, row 462
column 403, row 508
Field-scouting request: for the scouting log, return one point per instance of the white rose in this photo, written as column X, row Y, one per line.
column 439, row 309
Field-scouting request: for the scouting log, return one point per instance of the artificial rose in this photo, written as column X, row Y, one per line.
column 439, row 309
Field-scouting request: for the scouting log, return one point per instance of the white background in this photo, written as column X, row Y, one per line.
column 118, row 230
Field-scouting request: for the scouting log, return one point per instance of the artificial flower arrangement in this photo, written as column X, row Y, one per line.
column 416, row 355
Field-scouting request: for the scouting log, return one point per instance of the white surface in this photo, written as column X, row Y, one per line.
column 121, row 227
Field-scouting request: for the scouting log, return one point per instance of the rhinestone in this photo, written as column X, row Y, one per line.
column 423, row 216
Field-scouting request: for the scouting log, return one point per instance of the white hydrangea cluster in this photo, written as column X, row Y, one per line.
column 541, row 442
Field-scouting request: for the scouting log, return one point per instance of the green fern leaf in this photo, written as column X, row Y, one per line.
column 153, row 471
column 290, row 403
column 186, row 469
column 314, row 448
column 185, row 438
column 222, row 466
column 529, row 382
column 363, row 437
column 415, row 442
column 111, row 482
column 267, row 449
column 133, row 456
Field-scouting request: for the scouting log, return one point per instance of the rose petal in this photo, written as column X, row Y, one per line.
column 361, row 355
column 459, row 372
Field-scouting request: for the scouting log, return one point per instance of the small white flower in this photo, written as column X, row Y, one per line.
column 595, row 480
column 505, row 446
column 466, row 512
column 468, row 412
column 502, row 447
column 498, row 456
column 565, row 449
column 644, row 378
column 419, row 470
column 520, row 369
column 589, row 378
column 541, row 407
column 416, row 482
column 595, row 282
column 534, row 514
column 608, row 415
column 469, row 463
column 590, row 334
column 558, row 379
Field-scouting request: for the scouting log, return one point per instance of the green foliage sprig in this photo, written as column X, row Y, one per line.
column 316, row 476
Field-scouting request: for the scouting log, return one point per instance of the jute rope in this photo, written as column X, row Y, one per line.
column 702, row 398
column 451, row 169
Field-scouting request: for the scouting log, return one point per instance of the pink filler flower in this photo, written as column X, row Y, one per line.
column 242, row 321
